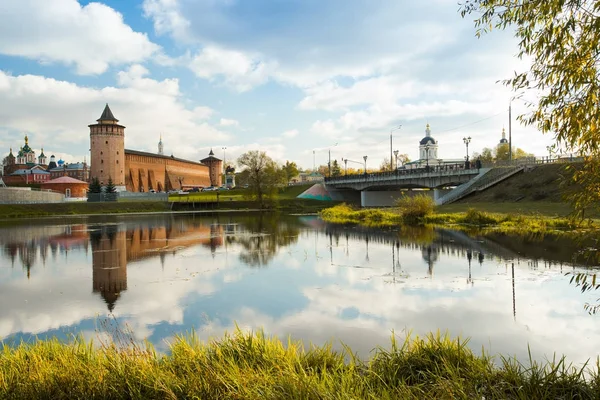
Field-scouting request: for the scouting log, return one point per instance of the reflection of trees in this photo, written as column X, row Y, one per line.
column 268, row 234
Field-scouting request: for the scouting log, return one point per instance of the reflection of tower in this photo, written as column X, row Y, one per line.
column 430, row 255
column 513, row 292
column 469, row 257
column 216, row 238
column 27, row 254
column 109, row 263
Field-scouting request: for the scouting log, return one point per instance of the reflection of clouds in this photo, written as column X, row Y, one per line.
column 313, row 287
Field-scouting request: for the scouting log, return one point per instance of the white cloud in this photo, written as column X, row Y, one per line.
column 56, row 113
column 228, row 122
column 90, row 37
column 167, row 18
column 236, row 69
column 290, row 133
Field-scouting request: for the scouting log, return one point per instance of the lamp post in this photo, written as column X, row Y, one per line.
column 396, row 156
column 329, row 162
column 346, row 161
column 467, row 140
column 549, row 148
column 345, row 166
column 391, row 144
column 365, row 158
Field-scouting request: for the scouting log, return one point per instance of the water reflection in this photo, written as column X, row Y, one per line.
column 163, row 275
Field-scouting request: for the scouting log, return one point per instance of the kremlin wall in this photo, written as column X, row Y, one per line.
column 130, row 170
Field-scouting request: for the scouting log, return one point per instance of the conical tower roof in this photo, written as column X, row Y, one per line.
column 107, row 115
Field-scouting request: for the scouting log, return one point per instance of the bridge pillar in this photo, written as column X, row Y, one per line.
column 346, row 195
column 439, row 193
column 379, row 199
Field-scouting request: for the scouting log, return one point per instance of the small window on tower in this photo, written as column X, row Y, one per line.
column 101, row 153
column 107, row 142
column 117, row 161
column 117, row 153
column 101, row 161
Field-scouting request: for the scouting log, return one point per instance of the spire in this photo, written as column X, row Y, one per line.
column 427, row 131
column 503, row 133
column 26, row 140
column 107, row 115
column 211, row 153
column 160, row 146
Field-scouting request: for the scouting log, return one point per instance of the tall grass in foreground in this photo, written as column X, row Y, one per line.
column 252, row 366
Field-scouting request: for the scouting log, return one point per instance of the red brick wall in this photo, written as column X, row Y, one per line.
column 77, row 189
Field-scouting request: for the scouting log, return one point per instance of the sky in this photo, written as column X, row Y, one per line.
column 298, row 79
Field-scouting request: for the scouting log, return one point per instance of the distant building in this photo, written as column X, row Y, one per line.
column 428, row 154
column 25, row 159
column 139, row 171
column 34, row 175
column 78, row 171
column 68, row 186
column 311, row 177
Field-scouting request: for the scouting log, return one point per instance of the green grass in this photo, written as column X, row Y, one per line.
column 513, row 223
column 526, row 208
column 286, row 193
column 253, row 366
column 79, row 208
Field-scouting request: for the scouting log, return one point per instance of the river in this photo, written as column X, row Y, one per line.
column 156, row 277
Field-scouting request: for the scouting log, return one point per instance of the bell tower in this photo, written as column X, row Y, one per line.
column 107, row 147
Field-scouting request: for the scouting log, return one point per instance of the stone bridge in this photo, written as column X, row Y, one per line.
column 383, row 188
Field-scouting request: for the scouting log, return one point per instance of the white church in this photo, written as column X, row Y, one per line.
column 428, row 154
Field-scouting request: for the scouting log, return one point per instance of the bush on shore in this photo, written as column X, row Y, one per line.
column 252, row 366
column 414, row 209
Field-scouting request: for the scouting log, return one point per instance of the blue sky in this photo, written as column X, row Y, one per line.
column 285, row 76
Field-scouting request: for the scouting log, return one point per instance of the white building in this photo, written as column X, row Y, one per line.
column 428, row 154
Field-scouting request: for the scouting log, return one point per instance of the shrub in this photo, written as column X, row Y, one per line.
column 414, row 208
column 476, row 217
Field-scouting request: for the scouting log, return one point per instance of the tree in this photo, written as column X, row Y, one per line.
column 403, row 159
column 335, row 169
column 95, row 186
column 264, row 176
column 110, row 186
column 290, row 170
column 501, row 153
column 561, row 38
column 486, row 155
column 385, row 165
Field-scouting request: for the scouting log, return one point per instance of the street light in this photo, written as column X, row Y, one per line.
column 365, row 158
column 224, row 162
column 396, row 155
column 467, row 140
column 345, row 166
column 549, row 148
column 329, row 162
column 392, row 130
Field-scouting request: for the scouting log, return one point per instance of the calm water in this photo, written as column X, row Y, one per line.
column 161, row 276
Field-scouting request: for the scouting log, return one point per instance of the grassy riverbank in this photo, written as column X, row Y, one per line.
column 79, row 208
column 511, row 223
column 246, row 366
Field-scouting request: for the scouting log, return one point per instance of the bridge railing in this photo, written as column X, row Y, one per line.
column 436, row 170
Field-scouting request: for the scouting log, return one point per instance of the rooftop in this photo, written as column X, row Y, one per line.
column 65, row 179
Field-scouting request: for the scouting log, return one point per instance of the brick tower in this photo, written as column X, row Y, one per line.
column 107, row 145
column 215, row 168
